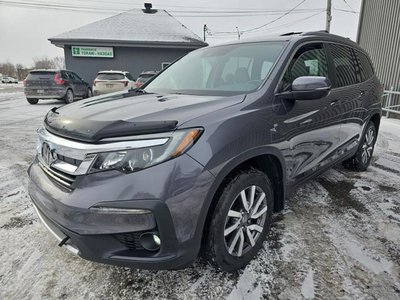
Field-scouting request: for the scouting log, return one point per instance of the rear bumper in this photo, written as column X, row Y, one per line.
column 54, row 93
column 101, row 91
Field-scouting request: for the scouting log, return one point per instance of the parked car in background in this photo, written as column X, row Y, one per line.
column 55, row 84
column 112, row 81
column 201, row 158
column 144, row 77
column 8, row 79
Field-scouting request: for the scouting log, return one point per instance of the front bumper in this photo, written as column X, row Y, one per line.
column 173, row 196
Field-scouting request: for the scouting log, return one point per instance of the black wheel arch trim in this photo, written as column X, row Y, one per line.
column 229, row 167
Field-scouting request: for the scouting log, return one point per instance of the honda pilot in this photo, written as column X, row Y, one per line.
column 199, row 159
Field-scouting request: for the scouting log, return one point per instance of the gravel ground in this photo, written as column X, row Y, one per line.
column 339, row 236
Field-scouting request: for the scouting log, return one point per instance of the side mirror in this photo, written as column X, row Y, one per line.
column 308, row 88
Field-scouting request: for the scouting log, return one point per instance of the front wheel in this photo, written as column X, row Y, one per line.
column 32, row 100
column 69, row 96
column 361, row 160
column 241, row 220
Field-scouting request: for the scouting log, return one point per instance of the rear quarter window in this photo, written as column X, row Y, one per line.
column 366, row 68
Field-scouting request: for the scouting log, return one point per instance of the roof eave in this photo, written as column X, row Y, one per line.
column 61, row 42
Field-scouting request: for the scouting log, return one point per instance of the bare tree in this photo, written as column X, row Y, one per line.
column 43, row 63
column 22, row 72
column 59, row 62
column 8, row 69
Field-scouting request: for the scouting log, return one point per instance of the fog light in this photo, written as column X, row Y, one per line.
column 156, row 239
column 150, row 241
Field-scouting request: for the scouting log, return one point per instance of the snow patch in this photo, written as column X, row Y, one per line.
column 245, row 288
column 307, row 288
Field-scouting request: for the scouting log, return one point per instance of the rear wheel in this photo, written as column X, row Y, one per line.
column 89, row 93
column 361, row 160
column 241, row 220
column 32, row 100
column 69, row 96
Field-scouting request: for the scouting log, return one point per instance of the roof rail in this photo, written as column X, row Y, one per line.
column 322, row 32
column 291, row 33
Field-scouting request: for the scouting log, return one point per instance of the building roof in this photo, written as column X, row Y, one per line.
column 133, row 28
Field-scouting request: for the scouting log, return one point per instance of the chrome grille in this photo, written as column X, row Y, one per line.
column 59, row 177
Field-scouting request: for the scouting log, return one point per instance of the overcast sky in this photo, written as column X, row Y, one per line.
column 24, row 30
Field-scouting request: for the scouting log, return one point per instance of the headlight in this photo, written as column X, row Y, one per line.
column 137, row 159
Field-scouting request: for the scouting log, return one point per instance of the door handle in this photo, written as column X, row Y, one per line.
column 334, row 102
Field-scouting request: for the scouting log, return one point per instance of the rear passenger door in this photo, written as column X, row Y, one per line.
column 349, row 93
column 80, row 85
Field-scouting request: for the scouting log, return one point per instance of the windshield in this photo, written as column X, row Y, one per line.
column 223, row 70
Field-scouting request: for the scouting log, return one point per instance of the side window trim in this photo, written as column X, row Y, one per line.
column 292, row 55
column 331, row 65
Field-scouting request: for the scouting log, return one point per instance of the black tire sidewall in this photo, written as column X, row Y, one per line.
column 66, row 96
column 216, row 242
column 363, row 166
column 32, row 101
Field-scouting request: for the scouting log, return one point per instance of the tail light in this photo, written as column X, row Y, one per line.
column 125, row 82
column 58, row 80
column 24, row 82
column 94, row 82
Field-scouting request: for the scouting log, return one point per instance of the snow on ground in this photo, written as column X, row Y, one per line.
column 339, row 236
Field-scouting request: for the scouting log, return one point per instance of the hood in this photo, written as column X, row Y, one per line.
column 128, row 113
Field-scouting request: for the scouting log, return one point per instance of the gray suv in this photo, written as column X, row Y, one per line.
column 63, row 85
column 199, row 159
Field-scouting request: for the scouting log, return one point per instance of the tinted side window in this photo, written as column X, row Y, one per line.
column 309, row 60
column 76, row 76
column 365, row 65
column 345, row 65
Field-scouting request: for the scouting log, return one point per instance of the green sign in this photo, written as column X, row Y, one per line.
column 106, row 52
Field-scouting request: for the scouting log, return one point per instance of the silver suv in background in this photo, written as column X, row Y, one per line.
column 55, row 84
column 113, row 81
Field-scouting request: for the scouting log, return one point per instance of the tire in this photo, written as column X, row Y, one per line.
column 231, row 249
column 361, row 160
column 32, row 100
column 69, row 96
column 89, row 93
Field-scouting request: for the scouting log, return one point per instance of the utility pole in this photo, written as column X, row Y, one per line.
column 204, row 32
column 238, row 32
column 328, row 15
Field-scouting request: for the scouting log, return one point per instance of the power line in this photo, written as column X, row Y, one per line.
column 228, row 15
column 264, row 25
column 217, row 36
column 346, row 10
column 273, row 21
column 202, row 11
column 347, row 3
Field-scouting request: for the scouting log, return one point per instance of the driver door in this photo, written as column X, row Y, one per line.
column 311, row 127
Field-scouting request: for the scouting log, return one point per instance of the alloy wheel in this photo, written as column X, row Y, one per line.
column 368, row 145
column 245, row 220
column 70, row 96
